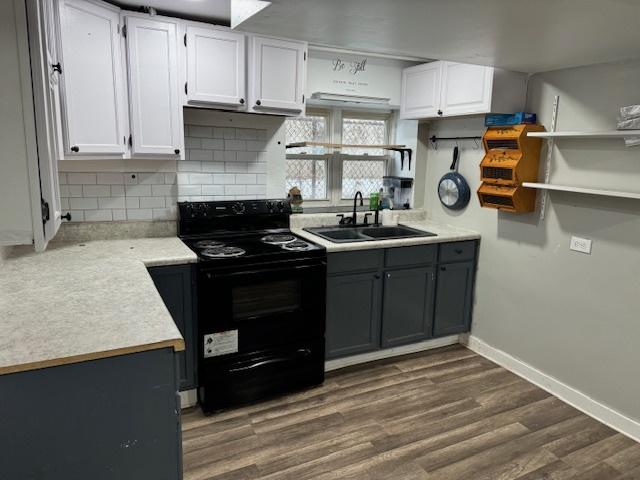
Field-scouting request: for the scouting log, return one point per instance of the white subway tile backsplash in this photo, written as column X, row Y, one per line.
column 83, row 203
column 111, row 202
column 246, row 178
column 188, row 166
column 132, row 202
column 224, row 178
column 98, row 216
column 224, row 163
column 137, row 190
column 139, row 214
column 152, row 202
column 234, row 167
column 96, row 190
column 212, row 144
column 110, row 179
column 200, row 155
column 247, row 156
column 81, row 178
column 213, row 167
column 117, row 190
column 199, row 131
column 235, row 145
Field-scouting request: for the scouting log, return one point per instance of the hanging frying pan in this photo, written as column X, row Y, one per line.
column 453, row 189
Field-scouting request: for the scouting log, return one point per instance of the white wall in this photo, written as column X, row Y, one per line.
column 573, row 316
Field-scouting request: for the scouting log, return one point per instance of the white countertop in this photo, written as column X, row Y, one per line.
column 83, row 301
column 444, row 233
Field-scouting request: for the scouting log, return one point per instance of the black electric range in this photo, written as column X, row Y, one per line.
column 261, row 301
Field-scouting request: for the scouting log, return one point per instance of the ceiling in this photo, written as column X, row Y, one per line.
column 520, row 35
column 216, row 11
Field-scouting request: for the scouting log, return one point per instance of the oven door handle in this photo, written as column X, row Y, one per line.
column 254, row 272
column 302, row 352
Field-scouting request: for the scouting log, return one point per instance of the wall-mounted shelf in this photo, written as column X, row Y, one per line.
column 587, row 191
column 341, row 145
column 603, row 134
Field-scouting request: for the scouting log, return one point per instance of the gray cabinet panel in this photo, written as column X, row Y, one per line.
column 407, row 306
column 113, row 418
column 454, row 290
column 457, row 251
column 409, row 256
column 354, row 261
column 175, row 285
column 353, row 314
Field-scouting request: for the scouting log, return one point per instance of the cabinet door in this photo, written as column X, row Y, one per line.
column 277, row 70
column 454, row 292
column 408, row 306
column 156, row 113
column 421, row 90
column 175, row 285
column 353, row 314
column 466, row 89
column 215, row 66
column 92, row 77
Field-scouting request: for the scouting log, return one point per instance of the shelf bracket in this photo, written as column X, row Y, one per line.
column 543, row 195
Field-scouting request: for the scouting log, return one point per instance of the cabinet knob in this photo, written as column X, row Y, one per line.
column 439, row 112
column 443, row 268
column 57, row 68
column 458, row 251
column 388, row 275
column 177, row 151
column 241, row 101
column 258, row 102
column 66, row 217
column 376, row 276
column 75, row 148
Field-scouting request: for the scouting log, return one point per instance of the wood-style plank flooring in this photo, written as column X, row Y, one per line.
column 446, row 414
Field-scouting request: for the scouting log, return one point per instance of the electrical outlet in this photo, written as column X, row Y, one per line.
column 582, row 245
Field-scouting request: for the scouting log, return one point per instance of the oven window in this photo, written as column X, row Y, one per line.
column 262, row 299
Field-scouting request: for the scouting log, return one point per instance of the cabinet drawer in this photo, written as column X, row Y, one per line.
column 405, row 256
column 457, row 251
column 354, row 261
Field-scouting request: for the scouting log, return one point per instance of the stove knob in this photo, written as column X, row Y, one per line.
column 270, row 206
column 238, row 208
column 281, row 206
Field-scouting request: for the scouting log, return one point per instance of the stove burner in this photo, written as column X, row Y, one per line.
column 297, row 246
column 222, row 252
column 208, row 244
column 278, row 239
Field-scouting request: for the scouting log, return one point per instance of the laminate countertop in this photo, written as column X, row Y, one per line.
column 444, row 233
column 84, row 301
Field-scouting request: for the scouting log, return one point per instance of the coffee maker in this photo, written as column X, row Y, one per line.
column 399, row 188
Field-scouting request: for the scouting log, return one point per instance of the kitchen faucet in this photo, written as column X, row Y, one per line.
column 354, row 217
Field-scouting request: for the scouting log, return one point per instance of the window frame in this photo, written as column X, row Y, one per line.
column 335, row 160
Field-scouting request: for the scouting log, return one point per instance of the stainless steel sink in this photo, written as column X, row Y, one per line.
column 367, row 233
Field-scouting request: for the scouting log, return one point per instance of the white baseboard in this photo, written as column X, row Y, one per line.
column 188, row 398
column 390, row 352
column 568, row 394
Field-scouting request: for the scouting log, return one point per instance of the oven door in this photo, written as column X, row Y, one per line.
column 263, row 305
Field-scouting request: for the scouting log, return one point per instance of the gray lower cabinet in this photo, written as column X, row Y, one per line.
column 353, row 313
column 175, row 283
column 407, row 306
column 106, row 419
column 453, row 298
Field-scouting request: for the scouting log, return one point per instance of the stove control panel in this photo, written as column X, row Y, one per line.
column 208, row 210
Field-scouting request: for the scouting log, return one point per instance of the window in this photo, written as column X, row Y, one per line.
column 332, row 177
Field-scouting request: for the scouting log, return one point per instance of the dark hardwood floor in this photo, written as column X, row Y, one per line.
column 446, row 414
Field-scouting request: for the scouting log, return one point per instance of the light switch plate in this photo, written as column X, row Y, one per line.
column 582, row 245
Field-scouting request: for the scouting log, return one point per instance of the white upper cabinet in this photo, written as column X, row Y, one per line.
column 466, row 89
column 216, row 66
column 446, row 89
column 421, row 90
column 155, row 109
column 277, row 70
column 93, row 82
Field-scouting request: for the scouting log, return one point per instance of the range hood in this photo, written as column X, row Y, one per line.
column 327, row 98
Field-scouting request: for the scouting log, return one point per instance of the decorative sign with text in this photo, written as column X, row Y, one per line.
column 353, row 68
